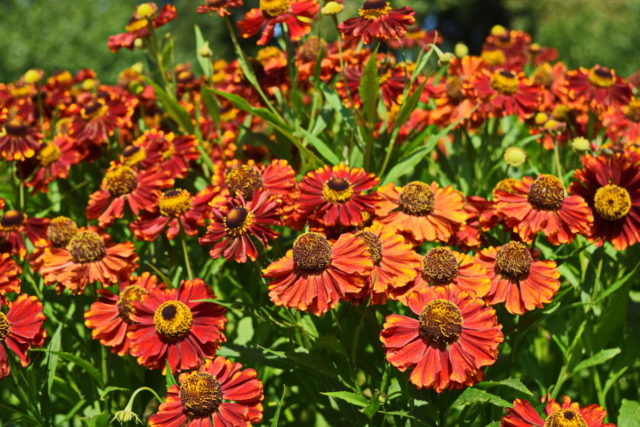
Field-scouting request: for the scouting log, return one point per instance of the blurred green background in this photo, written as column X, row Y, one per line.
column 72, row 34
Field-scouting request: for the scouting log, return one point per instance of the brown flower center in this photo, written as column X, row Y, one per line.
column 601, row 77
column 310, row 48
column 200, row 394
column 542, row 75
column 238, row 221
column 441, row 322
column 612, row 202
column 125, row 301
column 61, row 230
column 374, row 9
column 15, row 128
column 453, row 88
column 337, row 190
column 311, row 253
column 93, row 109
column 12, row 220
column 504, row 82
column 373, row 244
column 439, row 267
column 173, row 320
column 243, row 179
column 417, row 199
column 174, row 203
column 120, row 180
column 133, row 155
column 274, row 8
column 48, row 154
column 513, row 261
column 565, row 418
column 4, row 326
column 546, row 193
column 86, row 247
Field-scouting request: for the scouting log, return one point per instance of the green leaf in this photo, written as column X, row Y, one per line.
column 79, row 361
column 370, row 88
column 512, row 383
column 205, row 63
column 171, row 380
column 173, row 108
column 473, row 395
column 597, row 359
column 243, row 105
column 408, row 106
column 211, row 104
column 322, row 148
column 629, row 414
column 52, row 362
column 347, row 396
column 276, row 415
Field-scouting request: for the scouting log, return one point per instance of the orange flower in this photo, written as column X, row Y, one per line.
column 541, row 205
column 504, row 92
column 453, row 338
column 164, row 150
column 9, row 276
column 316, row 274
column 15, row 225
column 523, row 414
column 378, row 20
column 221, row 7
column 172, row 326
column 296, row 15
column 138, row 26
column 56, row 158
column 425, row 212
column 19, row 141
column 518, row 279
column 597, row 88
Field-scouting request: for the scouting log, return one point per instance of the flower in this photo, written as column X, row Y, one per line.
column 19, row 141
column 20, row 329
column 221, row 7
column 87, row 258
column 56, row 158
column 504, row 92
column 597, row 88
column 425, row 212
column 453, row 338
column 220, row 390
column 232, row 227
column 580, row 144
column 316, row 274
column 14, row 225
column 139, row 189
column 109, row 318
column 569, row 414
column 611, row 188
column 541, row 205
column 377, row 20
column 277, row 178
column 138, row 27
column 98, row 117
column 164, row 150
column 296, row 15
column 517, row 278
column 335, row 195
column 9, row 276
column 172, row 326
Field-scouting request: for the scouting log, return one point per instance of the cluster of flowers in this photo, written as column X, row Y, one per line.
column 357, row 240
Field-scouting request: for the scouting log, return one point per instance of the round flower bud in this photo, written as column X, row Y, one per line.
column 515, row 156
column 332, row 8
column 32, row 76
column 580, row 144
column 461, row 50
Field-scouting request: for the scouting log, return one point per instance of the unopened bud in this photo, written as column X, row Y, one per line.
column 205, row 51
column 515, row 156
column 580, row 144
column 32, row 76
column 332, row 8
column 461, row 50
column 145, row 10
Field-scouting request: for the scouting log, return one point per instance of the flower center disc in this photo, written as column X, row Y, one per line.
column 49, row 153
column 565, row 418
column 439, row 267
column 15, row 128
column 504, row 82
column 441, row 322
column 513, row 261
column 12, row 220
column 601, row 77
column 612, row 202
column 133, row 155
column 120, row 180
column 61, row 230
column 337, row 190
column 173, row 320
column 174, row 203
column 86, row 247
column 374, row 9
column 238, row 220
column 507, row 185
column 4, row 326
column 546, row 193
column 274, row 8
column 632, row 111
column 453, row 88
column 201, row 394
column 311, row 253
column 93, row 110
column 125, row 302
column 243, row 179
column 373, row 244
column 417, row 199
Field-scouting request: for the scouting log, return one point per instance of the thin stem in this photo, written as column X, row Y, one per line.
column 558, row 164
column 185, row 253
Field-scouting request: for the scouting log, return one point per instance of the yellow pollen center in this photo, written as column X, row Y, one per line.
column 373, row 244
column 238, row 221
column 601, row 77
column 565, row 418
column 173, row 320
column 48, row 154
column 453, row 88
column 504, row 82
column 546, row 193
column 125, row 301
column 93, row 110
column 494, row 57
column 507, row 185
column 61, row 230
column 4, row 326
column 174, row 203
column 441, row 323
column 632, row 111
column 542, row 75
column 86, row 247
column 612, row 202
column 374, row 9
column 275, row 8
column 513, row 261
column 133, row 155
column 337, row 190
column 439, row 267
column 417, row 199
column 120, row 180
column 201, row 394
column 311, row 253
column 243, row 179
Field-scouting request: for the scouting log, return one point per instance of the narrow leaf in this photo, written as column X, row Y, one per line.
column 370, row 88
column 352, row 398
column 597, row 359
column 52, row 362
column 173, row 108
column 629, row 414
column 473, row 395
column 205, row 62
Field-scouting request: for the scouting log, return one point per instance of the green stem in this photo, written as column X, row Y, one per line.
column 185, row 253
column 558, row 164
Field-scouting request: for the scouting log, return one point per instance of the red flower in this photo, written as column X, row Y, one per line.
column 377, row 21
column 233, row 225
column 170, row 326
column 157, row 149
column 20, row 329
column 517, row 279
column 97, row 118
column 109, row 318
column 541, row 205
column 335, row 195
column 56, row 158
column 569, row 413
column 220, row 393
column 297, row 16
column 140, row 190
column 277, row 178
column 9, row 276
column 504, row 93
column 623, row 123
column 138, row 26
column 221, row 7
column 316, row 274
column 453, row 338
column 392, row 79
column 15, row 225
column 19, row 141
column 597, row 88
column 611, row 188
